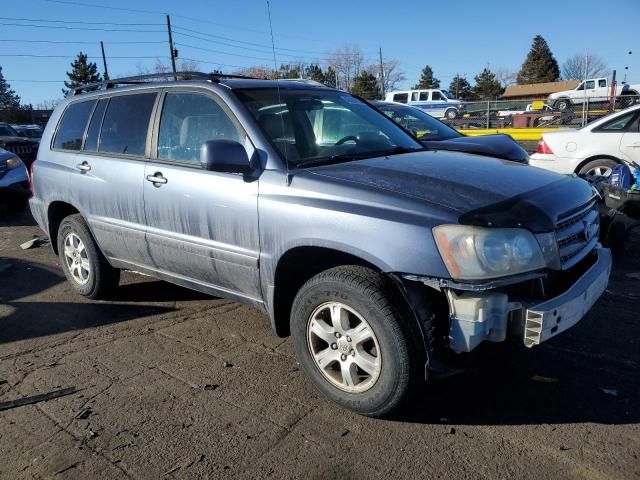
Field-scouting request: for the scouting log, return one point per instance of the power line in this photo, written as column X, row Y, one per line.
column 80, row 42
column 222, row 53
column 61, row 27
column 79, row 21
column 151, row 12
column 33, row 55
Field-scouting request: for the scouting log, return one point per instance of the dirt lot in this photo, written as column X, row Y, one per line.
column 175, row 384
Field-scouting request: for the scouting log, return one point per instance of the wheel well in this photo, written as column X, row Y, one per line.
column 595, row 157
column 297, row 266
column 57, row 212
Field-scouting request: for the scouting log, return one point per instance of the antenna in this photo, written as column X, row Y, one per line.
column 275, row 69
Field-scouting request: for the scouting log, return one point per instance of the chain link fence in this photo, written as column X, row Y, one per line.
column 537, row 113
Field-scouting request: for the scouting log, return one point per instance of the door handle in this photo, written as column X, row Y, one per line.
column 84, row 167
column 157, row 179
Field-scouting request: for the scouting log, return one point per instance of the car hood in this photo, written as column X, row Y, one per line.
column 481, row 190
column 20, row 140
column 499, row 145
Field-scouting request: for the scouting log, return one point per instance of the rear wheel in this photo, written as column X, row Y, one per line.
column 352, row 340
column 600, row 167
column 84, row 265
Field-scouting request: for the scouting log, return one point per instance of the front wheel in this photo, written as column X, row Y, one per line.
column 451, row 114
column 84, row 265
column 563, row 104
column 352, row 340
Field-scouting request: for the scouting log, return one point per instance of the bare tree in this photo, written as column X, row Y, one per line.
column 347, row 61
column 182, row 65
column 574, row 67
column 48, row 104
column 506, row 76
column 259, row 71
column 392, row 74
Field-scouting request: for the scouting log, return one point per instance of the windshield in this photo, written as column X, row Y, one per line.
column 30, row 132
column 7, row 131
column 308, row 125
column 448, row 94
column 421, row 124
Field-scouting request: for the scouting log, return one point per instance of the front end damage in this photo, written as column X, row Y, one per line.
column 533, row 307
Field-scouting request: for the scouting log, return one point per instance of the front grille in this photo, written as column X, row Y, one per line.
column 20, row 149
column 577, row 232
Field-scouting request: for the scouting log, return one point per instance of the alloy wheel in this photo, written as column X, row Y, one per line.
column 77, row 259
column 344, row 347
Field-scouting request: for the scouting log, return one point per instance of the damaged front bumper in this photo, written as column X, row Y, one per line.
column 493, row 311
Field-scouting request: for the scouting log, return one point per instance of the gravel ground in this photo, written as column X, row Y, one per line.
column 174, row 384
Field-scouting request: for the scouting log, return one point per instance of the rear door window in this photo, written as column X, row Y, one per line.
column 424, row 96
column 73, row 125
column 126, row 124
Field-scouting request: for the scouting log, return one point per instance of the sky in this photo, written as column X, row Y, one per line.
column 461, row 36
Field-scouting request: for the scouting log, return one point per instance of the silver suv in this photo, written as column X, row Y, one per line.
column 376, row 254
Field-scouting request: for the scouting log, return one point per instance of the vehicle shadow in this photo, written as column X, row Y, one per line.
column 155, row 291
column 22, row 317
column 12, row 218
column 547, row 385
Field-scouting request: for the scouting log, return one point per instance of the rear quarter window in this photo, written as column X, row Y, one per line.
column 126, row 123
column 72, row 126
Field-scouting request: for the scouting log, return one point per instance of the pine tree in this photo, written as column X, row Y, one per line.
column 8, row 98
column 427, row 80
column 365, row 85
column 460, row 88
column 330, row 77
column 487, row 86
column 82, row 72
column 314, row 72
column 540, row 65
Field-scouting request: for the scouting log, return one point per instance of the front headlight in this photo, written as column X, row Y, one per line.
column 13, row 162
column 475, row 253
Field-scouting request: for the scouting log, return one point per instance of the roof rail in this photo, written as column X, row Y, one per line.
column 154, row 77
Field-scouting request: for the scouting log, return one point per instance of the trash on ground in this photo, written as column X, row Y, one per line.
column 610, row 391
column 34, row 243
column 210, row 386
column 227, row 364
column 84, row 413
column 37, row 398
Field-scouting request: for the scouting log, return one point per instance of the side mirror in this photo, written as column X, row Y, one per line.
column 224, row 156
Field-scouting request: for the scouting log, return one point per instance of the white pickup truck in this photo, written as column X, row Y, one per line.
column 595, row 89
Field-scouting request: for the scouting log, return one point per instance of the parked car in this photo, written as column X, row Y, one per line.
column 594, row 149
column 439, row 136
column 592, row 89
column 376, row 254
column 436, row 102
column 12, row 141
column 14, row 181
column 32, row 131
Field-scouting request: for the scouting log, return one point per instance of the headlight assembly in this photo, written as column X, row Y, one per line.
column 13, row 162
column 476, row 253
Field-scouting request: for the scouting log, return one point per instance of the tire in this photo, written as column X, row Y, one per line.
column 616, row 238
column 599, row 167
column 451, row 114
column 563, row 104
column 390, row 355
column 88, row 271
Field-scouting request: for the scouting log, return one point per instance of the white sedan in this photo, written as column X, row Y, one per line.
column 594, row 149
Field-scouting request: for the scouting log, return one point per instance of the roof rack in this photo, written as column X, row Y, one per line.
column 154, row 77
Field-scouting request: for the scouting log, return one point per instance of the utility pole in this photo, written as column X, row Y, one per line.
column 381, row 74
column 172, row 50
column 104, row 62
column 457, row 84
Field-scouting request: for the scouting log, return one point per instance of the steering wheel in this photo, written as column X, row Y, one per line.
column 346, row 139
